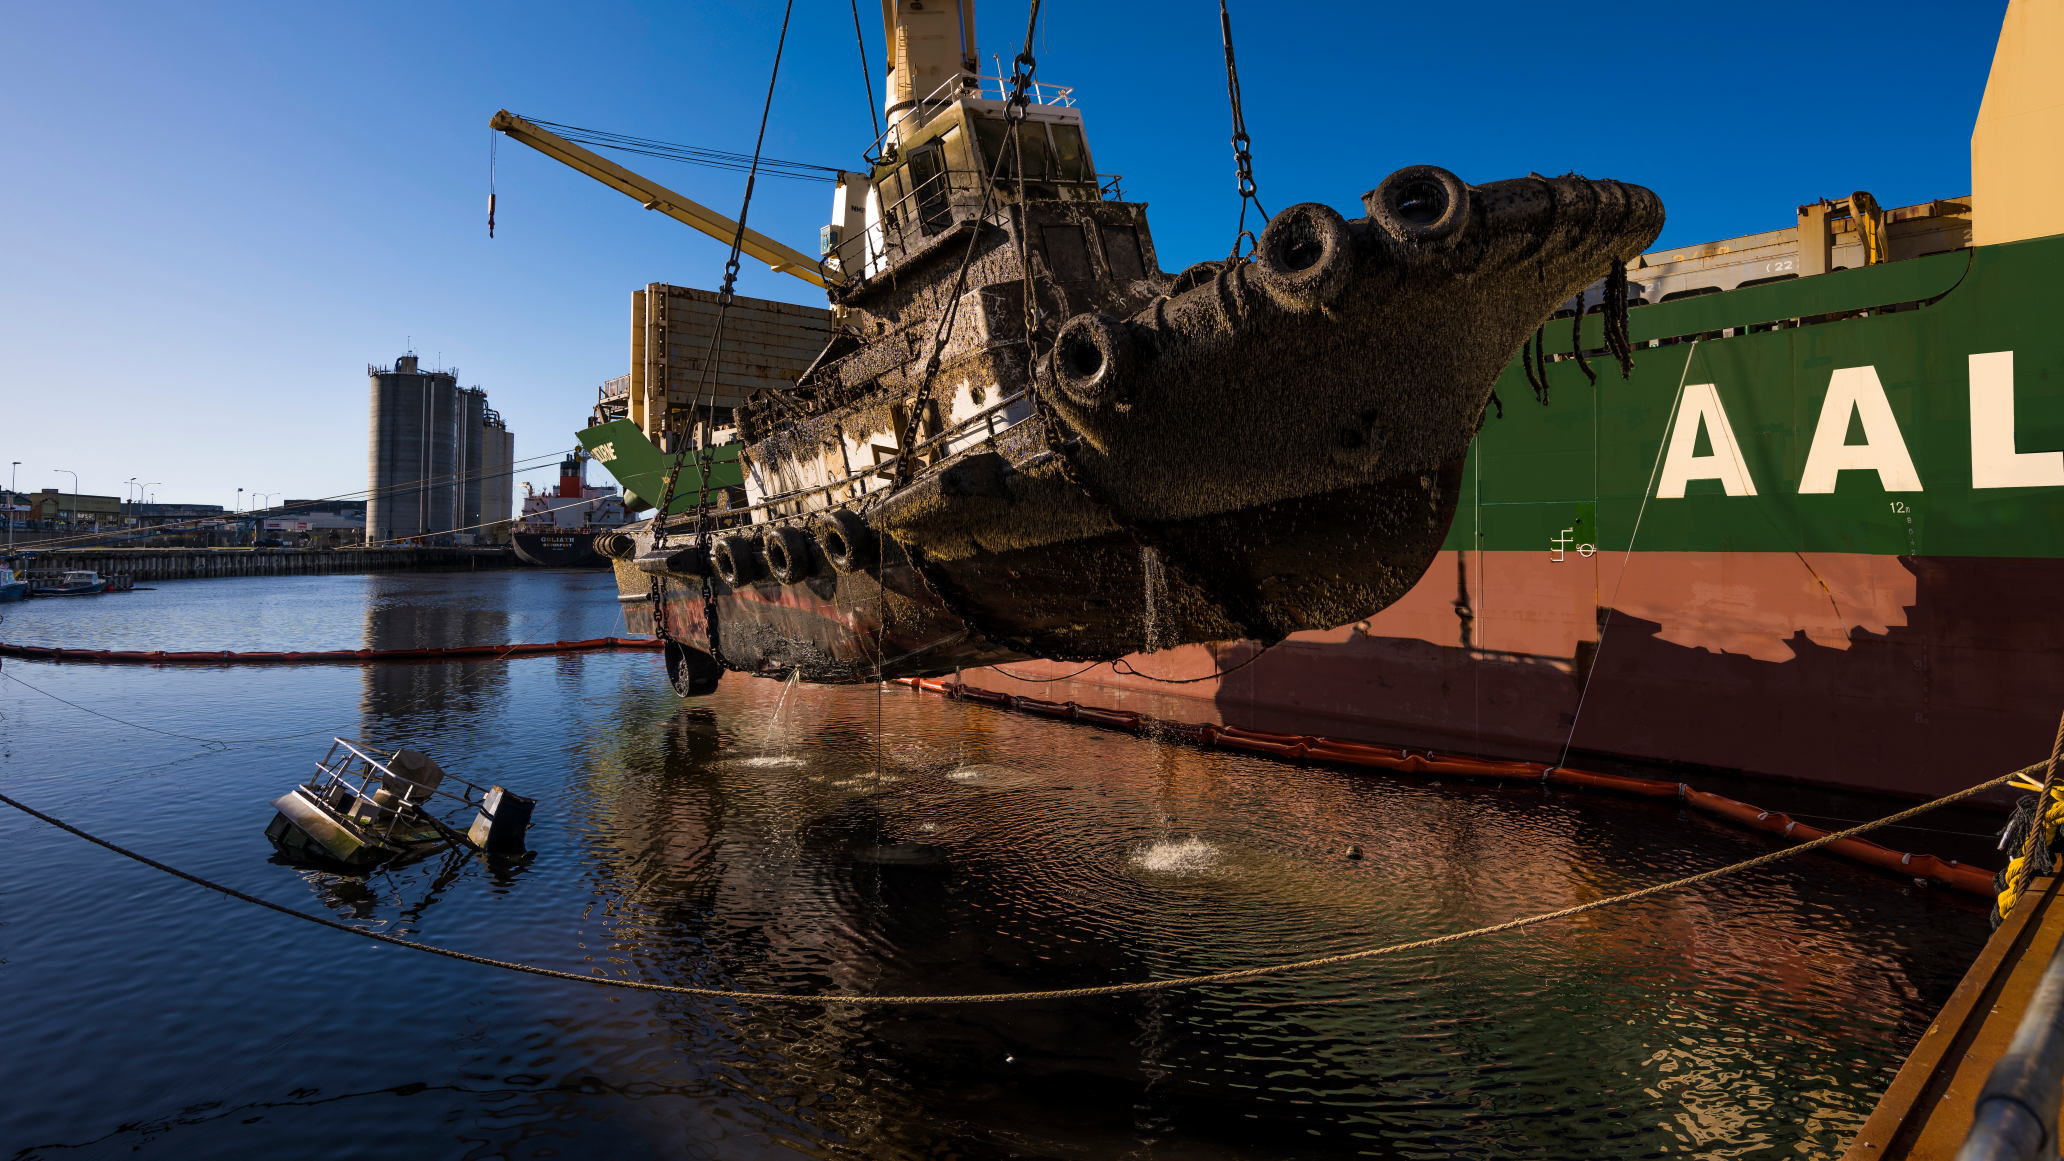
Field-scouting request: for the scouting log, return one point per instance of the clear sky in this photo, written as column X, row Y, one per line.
column 216, row 214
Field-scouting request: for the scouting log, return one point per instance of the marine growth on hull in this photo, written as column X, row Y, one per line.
column 1025, row 439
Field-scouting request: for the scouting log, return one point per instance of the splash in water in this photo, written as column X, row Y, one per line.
column 1177, row 857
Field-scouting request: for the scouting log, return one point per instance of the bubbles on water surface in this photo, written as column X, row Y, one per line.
column 991, row 776
column 817, row 839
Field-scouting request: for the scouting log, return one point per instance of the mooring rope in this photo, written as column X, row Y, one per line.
column 1057, row 993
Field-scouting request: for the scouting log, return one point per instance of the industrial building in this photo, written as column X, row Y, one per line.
column 766, row 344
column 438, row 463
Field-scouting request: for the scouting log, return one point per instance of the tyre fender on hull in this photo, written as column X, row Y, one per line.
column 845, row 540
column 1305, row 257
column 737, row 560
column 1422, row 206
column 787, row 551
column 690, row 671
column 1093, row 358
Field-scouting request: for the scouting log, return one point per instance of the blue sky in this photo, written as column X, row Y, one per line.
column 216, row 214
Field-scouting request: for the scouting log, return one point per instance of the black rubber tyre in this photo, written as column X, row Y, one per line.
column 615, row 545
column 690, row 671
column 845, row 540
column 1423, row 205
column 1092, row 360
column 688, row 560
column 737, row 560
column 1195, row 275
column 1305, row 257
column 788, row 553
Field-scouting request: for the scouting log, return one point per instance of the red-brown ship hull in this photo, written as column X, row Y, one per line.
column 1905, row 676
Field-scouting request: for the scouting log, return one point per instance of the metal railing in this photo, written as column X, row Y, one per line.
column 2016, row 1114
column 974, row 87
column 927, row 209
column 986, row 420
column 364, row 807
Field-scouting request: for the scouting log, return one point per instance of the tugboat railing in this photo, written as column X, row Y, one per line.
column 978, row 87
column 985, row 418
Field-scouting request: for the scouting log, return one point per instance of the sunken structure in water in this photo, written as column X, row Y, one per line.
column 1027, row 440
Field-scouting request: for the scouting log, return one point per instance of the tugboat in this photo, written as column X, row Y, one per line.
column 558, row 528
column 1026, row 440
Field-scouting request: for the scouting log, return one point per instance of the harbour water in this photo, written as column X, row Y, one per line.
column 863, row 840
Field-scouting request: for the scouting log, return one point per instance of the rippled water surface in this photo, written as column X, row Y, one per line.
column 868, row 841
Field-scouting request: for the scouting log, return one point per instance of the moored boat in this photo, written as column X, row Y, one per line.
column 72, row 583
column 557, row 528
column 12, row 587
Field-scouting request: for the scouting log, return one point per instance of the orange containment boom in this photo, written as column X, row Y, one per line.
column 349, row 656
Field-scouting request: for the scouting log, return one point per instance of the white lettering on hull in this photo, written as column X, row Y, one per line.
column 1856, row 391
column 1994, row 462
column 1701, row 406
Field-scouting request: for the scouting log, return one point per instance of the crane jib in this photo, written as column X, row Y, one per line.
column 654, row 196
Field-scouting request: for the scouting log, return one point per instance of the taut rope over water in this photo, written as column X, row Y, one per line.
column 1058, row 993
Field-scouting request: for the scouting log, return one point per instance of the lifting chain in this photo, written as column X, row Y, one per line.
column 1014, row 113
column 704, row 527
column 1242, row 158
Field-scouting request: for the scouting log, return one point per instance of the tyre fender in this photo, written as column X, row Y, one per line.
column 1304, row 257
column 845, row 540
column 737, row 560
column 787, row 552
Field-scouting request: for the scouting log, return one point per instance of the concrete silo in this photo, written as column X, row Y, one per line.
column 416, row 452
column 439, row 461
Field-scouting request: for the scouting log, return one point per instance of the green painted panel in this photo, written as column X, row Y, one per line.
column 1909, row 375
column 622, row 448
column 1914, row 280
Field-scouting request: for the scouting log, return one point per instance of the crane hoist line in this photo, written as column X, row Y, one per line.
column 654, row 196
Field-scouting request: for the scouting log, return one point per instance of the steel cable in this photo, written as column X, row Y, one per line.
column 1092, row 992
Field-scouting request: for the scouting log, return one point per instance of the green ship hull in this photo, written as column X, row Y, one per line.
column 1818, row 534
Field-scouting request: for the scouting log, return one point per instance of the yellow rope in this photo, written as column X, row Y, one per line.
column 2042, row 829
column 1058, row 993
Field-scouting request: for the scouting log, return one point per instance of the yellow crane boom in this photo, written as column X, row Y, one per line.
column 654, row 196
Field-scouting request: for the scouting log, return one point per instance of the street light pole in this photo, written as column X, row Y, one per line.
column 75, row 495
column 13, row 497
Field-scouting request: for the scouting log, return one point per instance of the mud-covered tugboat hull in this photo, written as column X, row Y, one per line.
column 1025, row 439
column 1255, row 448
column 1266, row 571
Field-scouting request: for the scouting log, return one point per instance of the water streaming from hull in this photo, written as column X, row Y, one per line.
column 1007, row 853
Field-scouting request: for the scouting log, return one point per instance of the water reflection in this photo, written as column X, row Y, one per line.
column 808, row 840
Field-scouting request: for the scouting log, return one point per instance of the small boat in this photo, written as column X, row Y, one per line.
column 361, row 811
column 78, row 582
column 12, row 588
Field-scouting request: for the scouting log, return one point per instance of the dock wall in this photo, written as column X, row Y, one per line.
column 160, row 564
